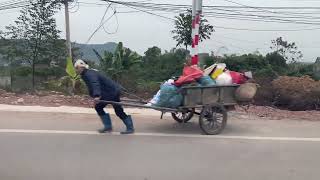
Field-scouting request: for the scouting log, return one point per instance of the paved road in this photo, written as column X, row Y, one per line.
column 73, row 153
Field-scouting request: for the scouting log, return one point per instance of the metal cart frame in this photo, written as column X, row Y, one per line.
column 209, row 102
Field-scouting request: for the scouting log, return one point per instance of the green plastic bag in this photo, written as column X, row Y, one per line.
column 206, row 81
column 169, row 96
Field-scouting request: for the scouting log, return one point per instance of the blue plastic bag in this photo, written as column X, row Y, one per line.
column 169, row 96
column 206, row 81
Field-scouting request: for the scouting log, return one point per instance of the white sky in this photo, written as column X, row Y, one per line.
column 140, row 31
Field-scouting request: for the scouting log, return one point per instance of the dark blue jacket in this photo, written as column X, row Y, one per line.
column 100, row 85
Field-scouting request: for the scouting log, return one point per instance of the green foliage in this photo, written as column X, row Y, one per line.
column 270, row 66
column 300, row 69
column 118, row 63
column 147, row 86
column 71, row 80
column 183, row 29
column 22, row 71
column 70, row 69
column 286, row 49
column 267, row 73
column 66, row 85
column 44, row 73
column 4, row 71
column 33, row 36
column 246, row 62
column 277, row 62
column 51, row 72
column 158, row 67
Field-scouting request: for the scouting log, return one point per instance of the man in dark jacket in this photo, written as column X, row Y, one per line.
column 102, row 88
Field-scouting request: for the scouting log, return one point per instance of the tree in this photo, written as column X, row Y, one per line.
column 34, row 34
column 288, row 50
column 277, row 62
column 158, row 67
column 183, row 29
column 152, row 53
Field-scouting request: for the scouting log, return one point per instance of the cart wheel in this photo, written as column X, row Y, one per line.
column 182, row 117
column 213, row 119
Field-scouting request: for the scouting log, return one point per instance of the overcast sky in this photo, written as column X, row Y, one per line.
column 139, row 31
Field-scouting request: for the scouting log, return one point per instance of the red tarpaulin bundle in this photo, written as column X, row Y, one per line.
column 190, row 74
column 238, row 78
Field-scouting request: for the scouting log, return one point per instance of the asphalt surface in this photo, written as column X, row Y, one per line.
column 181, row 155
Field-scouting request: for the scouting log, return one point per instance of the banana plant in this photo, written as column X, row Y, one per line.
column 72, row 77
column 118, row 63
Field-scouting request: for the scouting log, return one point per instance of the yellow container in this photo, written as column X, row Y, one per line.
column 216, row 73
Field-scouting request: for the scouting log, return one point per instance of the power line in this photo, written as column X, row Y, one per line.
column 105, row 28
column 246, row 13
column 265, row 10
column 101, row 25
column 273, row 20
column 11, row 2
column 257, row 19
column 236, row 16
column 269, row 19
column 124, row 4
column 265, row 30
column 88, row 3
column 297, row 19
column 242, row 6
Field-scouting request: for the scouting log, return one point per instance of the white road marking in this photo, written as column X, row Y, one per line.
column 162, row 135
column 74, row 110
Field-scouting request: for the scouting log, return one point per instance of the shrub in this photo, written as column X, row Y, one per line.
column 65, row 85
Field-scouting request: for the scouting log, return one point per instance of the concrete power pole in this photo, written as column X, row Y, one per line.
column 67, row 19
column 196, row 16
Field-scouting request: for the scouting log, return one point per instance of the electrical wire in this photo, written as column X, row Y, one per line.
column 105, row 13
column 258, row 8
column 102, row 19
column 142, row 10
column 117, row 21
column 281, row 18
column 15, row 5
column 265, row 30
column 101, row 25
column 240, row 16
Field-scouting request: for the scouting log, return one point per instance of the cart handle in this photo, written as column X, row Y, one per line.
column 162, row 109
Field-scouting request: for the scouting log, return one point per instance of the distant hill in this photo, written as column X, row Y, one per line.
column 88, row 53
column 86, row 50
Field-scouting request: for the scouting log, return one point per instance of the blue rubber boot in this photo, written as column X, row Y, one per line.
column 106, row 121
column 128, row 122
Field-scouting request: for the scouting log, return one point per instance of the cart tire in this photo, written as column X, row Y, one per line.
column 213, row 119
column 181, row 117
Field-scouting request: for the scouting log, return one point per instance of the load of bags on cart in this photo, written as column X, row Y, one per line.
column 218, row 74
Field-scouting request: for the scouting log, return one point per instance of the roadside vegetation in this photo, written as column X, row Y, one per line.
column 33, row 55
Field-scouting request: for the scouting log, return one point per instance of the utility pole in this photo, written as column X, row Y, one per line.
column 196, row 16
column 67, row 19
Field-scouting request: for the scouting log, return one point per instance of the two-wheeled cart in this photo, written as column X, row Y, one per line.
column 209, row 102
